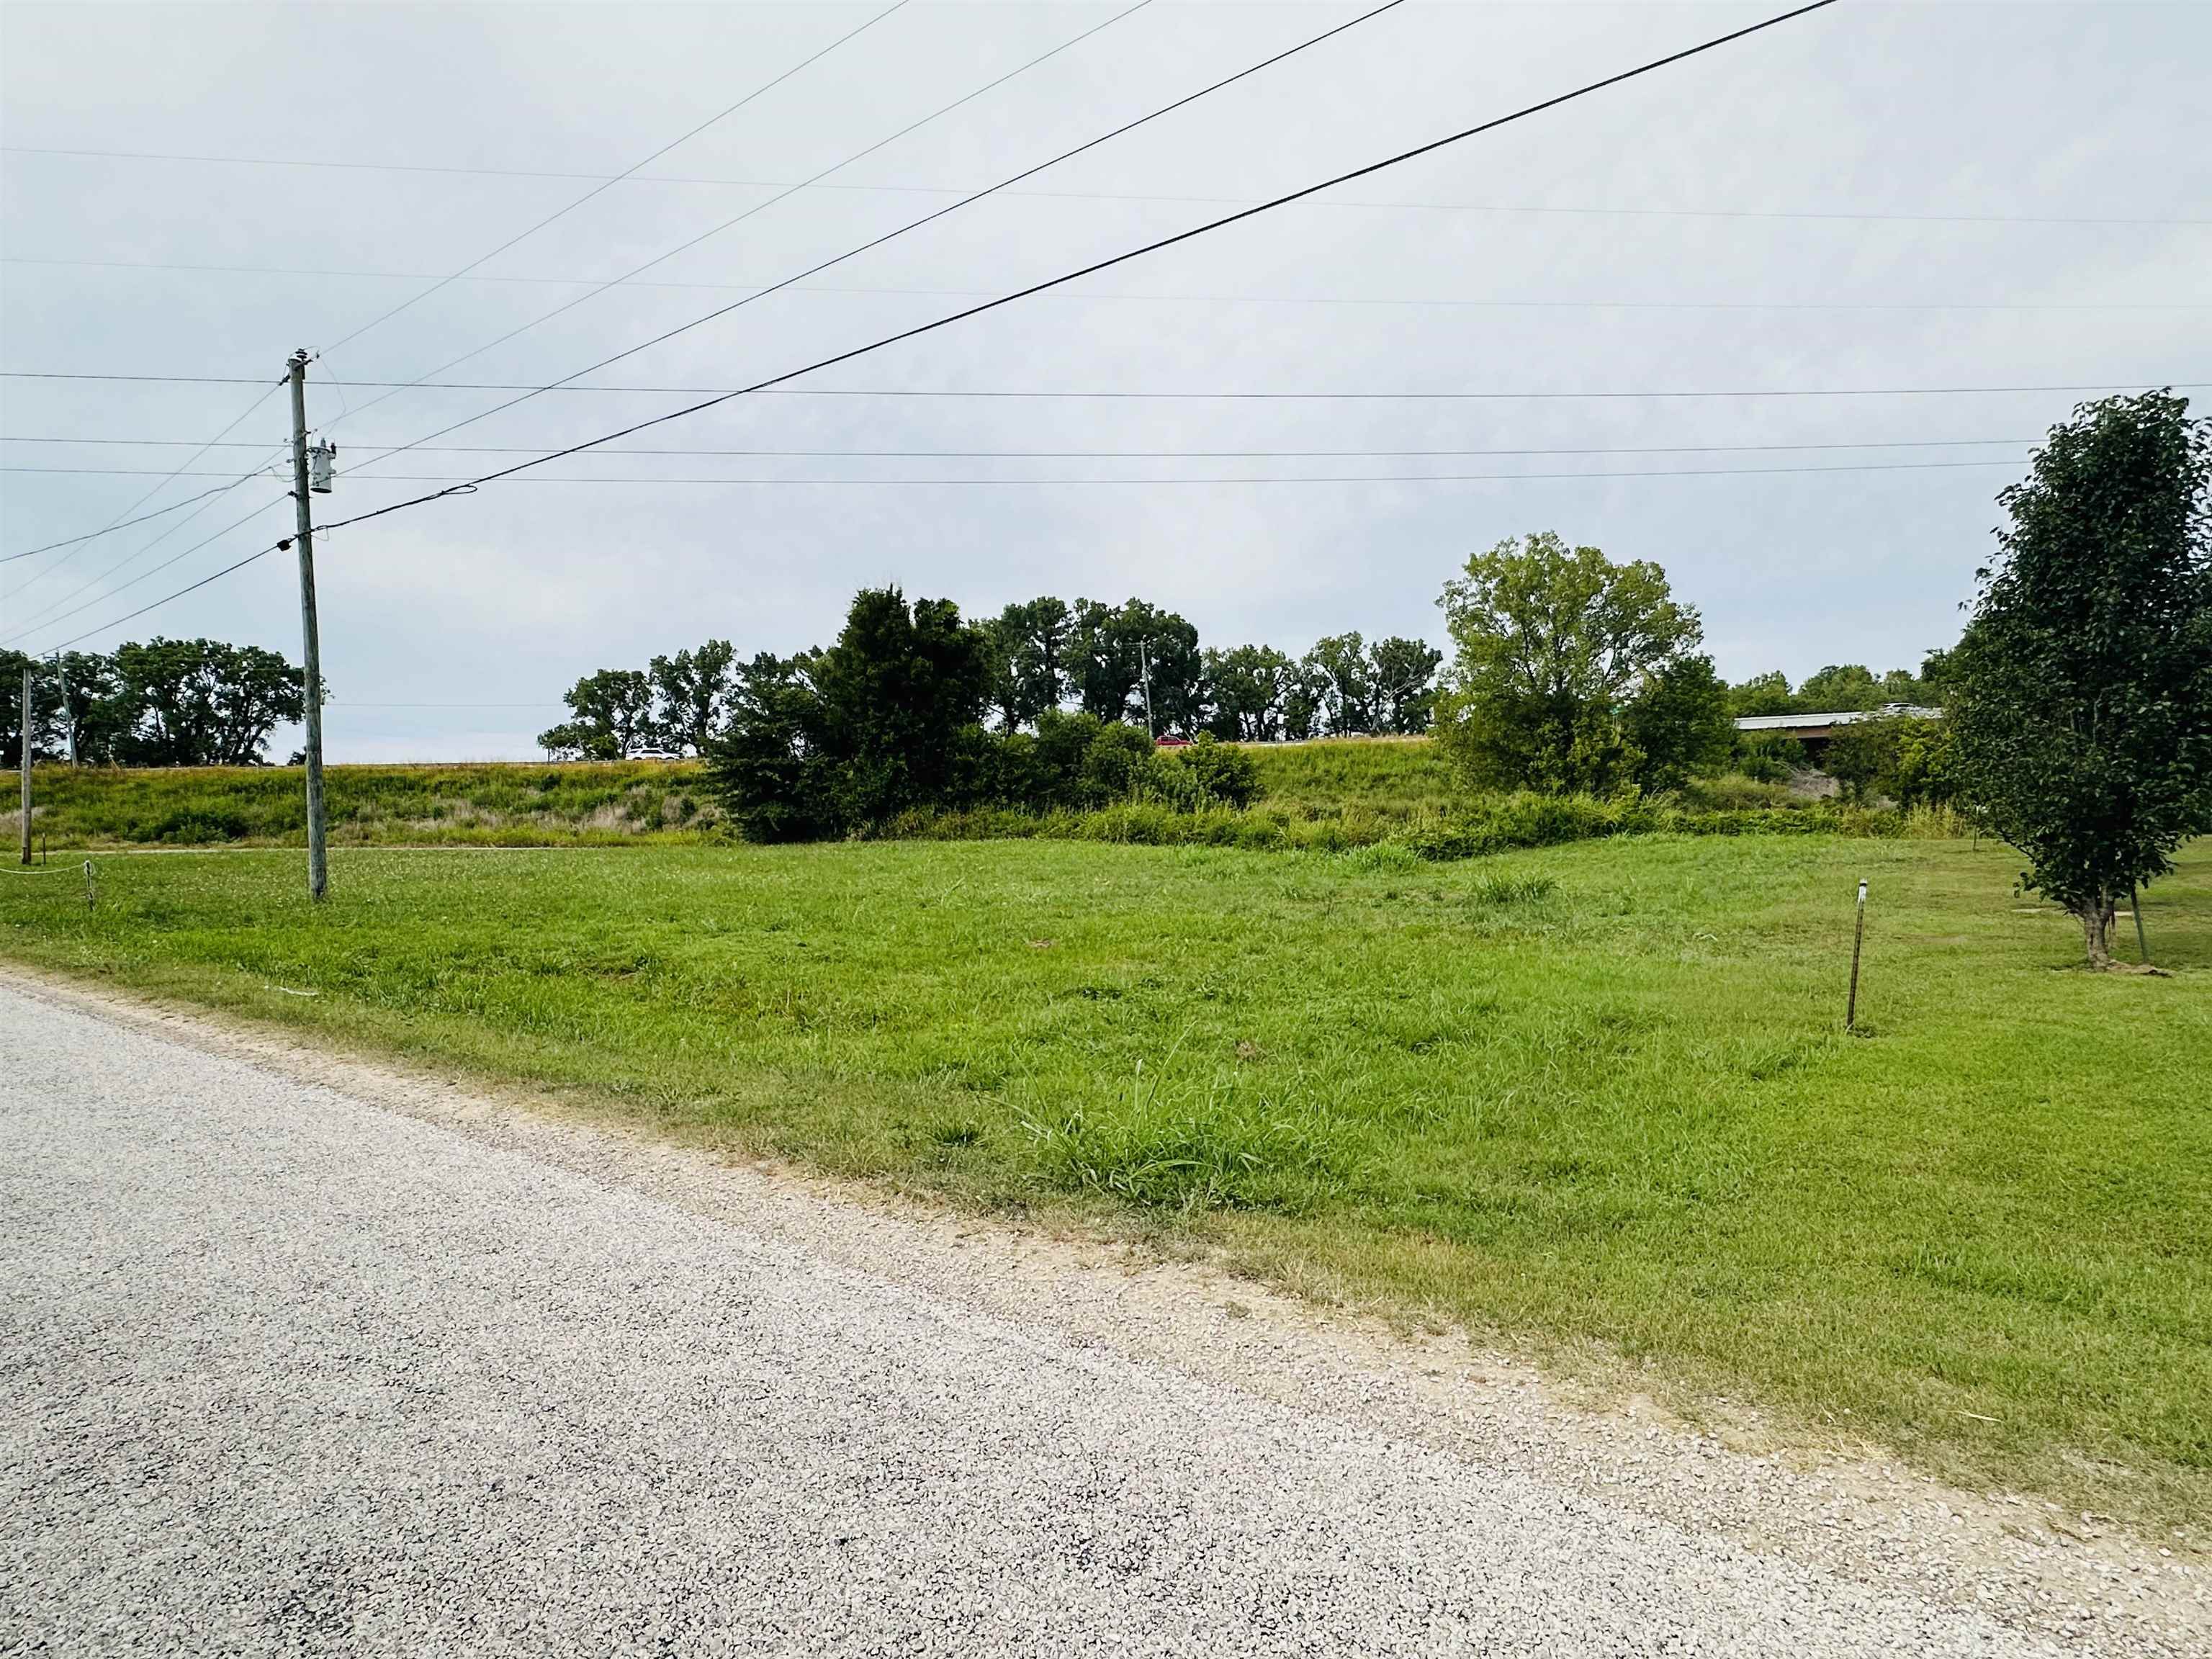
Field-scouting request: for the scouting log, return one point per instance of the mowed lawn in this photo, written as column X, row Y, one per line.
column 1595, row 1099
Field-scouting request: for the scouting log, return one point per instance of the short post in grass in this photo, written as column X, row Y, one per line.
column 88, row 887
column 1858, row 941
column 2135, row 903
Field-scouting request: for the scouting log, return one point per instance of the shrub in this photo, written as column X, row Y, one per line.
column 1221, row 775
column 1116, row 765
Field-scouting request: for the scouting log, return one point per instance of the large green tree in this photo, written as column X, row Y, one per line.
column 691, row 692
column 1248, row 687
column 201, row 702
column 2080, row 695
column 885, row 718
column 47, row 734
column 610, row 717
column 1029, row 644
column 1341, row 663
column 1118, row 651
column 1560, row 655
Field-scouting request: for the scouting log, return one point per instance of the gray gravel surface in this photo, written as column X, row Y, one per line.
column 289, row 1370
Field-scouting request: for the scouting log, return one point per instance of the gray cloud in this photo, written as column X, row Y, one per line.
column 1979, row 118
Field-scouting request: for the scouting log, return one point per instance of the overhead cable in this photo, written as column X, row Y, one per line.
column 760, row 207
column 1125, row 196
column 609, row 183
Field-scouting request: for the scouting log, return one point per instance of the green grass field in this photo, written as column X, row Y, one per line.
column 1594, row 1099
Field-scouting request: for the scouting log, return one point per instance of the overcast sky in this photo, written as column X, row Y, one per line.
column 1872, row 196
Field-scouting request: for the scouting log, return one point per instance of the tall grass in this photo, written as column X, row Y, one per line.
column 506, row 805
column 1320, row 797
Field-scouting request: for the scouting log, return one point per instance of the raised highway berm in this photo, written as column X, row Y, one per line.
column 304, row 1355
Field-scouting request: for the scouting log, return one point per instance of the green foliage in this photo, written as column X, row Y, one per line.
column 46, row 709
column 479, row 804
column 1563, row 656
column 691, row 694
column 1908, row 760
column 1840, row 687
column 610, row 718
column 1768, row 756
column 1404, row 674
column 884, row 719
column 1251, row 687
column 1218, row 774
column 1678, row 724
column 201, row 702
column 1861, row 755
column 2082, row 693
column 1118, row 651
column 165, row 702
column 1762, row 693
column 1029, row 646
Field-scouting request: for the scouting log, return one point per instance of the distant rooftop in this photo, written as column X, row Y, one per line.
column 1906, row 711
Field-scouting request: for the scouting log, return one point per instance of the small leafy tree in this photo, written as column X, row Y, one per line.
column 2080, row 695
column 1762, row 693
column 1839, row 687
column 1678, row 724
column 1863, row 756
column 1553, row 647
column 612, row 717
column 1404, row 675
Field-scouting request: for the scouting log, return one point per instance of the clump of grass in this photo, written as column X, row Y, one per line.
column 1183, row 1150
column 1386, row 858
column 1507, row 890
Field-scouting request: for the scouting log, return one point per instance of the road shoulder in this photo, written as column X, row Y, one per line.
column 2074, row 1579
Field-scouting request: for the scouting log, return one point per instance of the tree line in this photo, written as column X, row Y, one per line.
column 164, row 702
column 1128, row 664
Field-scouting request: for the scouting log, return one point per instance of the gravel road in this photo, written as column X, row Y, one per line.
column 289, row 1370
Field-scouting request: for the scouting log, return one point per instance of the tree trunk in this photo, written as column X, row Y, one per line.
column 2097, row 917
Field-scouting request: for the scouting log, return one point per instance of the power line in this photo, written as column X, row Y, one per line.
column 1499, row 477
column 1496, row 122
column 29, row 552
column 1409, row 478
column 718, row 394
column 608, row 183
column 1122, row 195
column 1113, row 454
column 760, row 207
column 132, row 616
column 35, row 626
column 757, row 290
column 76, row 544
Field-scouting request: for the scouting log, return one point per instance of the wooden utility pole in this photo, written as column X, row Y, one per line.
column 27, row 760
column 311, row 652
column 2143, row 945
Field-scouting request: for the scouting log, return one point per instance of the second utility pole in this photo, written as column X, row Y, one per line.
column 318, row 876
column 26, row 758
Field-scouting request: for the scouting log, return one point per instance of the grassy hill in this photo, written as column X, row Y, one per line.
column 1328, row 794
